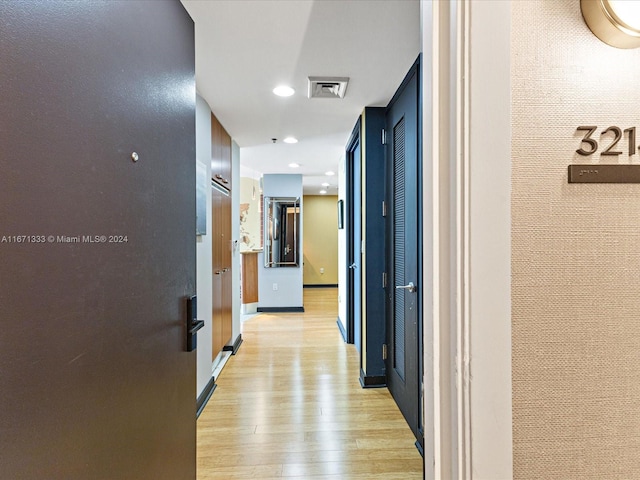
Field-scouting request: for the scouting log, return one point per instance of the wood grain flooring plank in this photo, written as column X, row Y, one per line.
column 289, row 405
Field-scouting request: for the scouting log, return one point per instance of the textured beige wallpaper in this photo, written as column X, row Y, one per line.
column 575, row 253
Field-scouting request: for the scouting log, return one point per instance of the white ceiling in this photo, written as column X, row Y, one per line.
column 244, row 48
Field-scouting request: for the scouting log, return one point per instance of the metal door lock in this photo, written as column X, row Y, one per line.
column 193, row 324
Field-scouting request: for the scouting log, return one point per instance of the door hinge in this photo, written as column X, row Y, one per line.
column 384, row 136
column 384, row 351
column 384, row 208
column 384, row 279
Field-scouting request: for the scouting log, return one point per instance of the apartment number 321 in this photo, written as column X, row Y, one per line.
column 611, row 136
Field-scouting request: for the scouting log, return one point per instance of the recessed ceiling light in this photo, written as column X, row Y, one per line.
column 290, row 140
column 294, row 165
column 325, row 184
column 283, row 91
column 323, row 192
column 330, row 173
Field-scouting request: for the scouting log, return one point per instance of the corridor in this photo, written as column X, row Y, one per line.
column 289, row 405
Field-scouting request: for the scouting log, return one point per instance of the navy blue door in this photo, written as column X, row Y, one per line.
column 355, row 265
column 403, row 288
column 354, row 239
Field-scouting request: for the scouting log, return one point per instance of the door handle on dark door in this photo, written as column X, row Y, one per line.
column 411, row 287
column 353, row 265
column 193, row 324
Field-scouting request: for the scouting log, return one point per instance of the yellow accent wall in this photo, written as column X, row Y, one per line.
column 320, row 240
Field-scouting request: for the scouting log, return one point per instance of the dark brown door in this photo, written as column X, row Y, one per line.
column 221, row 255
column 227, row 293
column 217, row 198
column 220, row 154
column 97, row 251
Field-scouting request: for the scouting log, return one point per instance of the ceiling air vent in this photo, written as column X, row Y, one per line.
column 327, row 87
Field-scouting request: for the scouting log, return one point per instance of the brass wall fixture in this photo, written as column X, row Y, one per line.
column 615, row 22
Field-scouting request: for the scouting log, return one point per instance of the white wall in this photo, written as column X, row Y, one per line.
column 288, row 279
column 235, row 236
column 342, row 246
column 204, row 260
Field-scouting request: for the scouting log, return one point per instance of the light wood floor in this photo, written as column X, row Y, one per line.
column 289, row 404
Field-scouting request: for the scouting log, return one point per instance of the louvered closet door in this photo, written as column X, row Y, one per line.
column 402, row 253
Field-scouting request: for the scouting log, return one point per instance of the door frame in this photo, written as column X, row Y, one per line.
column 352, row 209
column 467, row 124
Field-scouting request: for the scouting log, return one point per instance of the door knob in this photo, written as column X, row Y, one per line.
column 353, row 265
column 411, row 287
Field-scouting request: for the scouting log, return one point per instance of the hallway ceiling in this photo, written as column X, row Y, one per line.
column 245, row 48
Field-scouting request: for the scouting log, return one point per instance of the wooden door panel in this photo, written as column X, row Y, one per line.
column 249, row 278
column 217, row 197
column 220, row 154
column 227, row 294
